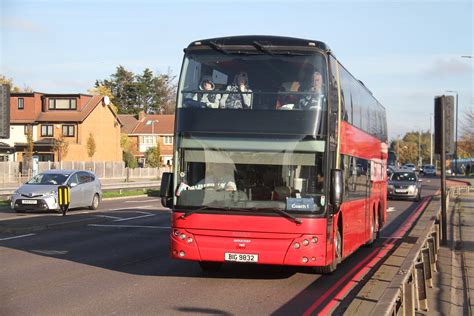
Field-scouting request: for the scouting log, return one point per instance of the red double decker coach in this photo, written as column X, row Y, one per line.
column 280, row 156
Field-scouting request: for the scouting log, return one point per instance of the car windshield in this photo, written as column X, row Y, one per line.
column 48, row 178
column 403, row 176
column 251, row 173
column 214, row 80
column 429, row 167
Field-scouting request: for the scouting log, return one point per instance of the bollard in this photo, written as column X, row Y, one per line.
column 422, row 298
column 425, row 254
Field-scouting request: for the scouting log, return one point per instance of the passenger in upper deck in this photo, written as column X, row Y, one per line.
column 239, row 94
column 210, row 99
column 316, row 99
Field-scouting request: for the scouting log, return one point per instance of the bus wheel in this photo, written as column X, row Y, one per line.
column 331, row 267
column 210, row 266
column 373, row 231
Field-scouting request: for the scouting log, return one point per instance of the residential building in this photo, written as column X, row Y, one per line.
column 69, row 118
column 148, row 131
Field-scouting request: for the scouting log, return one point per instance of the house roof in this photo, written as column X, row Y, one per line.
column 129, row 122
column 58, row 116
column 155, row 124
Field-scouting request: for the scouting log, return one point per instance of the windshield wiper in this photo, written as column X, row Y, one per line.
column 283, row 213
column 262, row 47
column 218, row 47
column 195, row 211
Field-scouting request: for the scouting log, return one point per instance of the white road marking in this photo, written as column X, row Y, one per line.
column 136, row 217
column 391, row 209
column 107, row 216
column 129, row 226
column 15, row 237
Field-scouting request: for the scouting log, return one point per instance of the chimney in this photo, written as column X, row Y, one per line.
column 141, row 115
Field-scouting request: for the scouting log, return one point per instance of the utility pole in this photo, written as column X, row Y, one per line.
column 431, row 139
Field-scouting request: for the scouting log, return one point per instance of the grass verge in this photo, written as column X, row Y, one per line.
column 122, row 193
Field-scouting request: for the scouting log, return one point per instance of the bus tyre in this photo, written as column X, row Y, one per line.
column 210, row 266
column 373, row 231
column 332, row 267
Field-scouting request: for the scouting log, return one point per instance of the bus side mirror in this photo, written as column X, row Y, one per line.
column 166, row 189
column 337, row 188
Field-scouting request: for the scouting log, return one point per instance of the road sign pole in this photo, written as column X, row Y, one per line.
column 443, row 178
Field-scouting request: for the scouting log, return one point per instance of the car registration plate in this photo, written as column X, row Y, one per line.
column 241, row 257
column 29, row 202
column 401, row 191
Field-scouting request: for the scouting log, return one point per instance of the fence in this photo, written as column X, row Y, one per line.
column 407, row 293
column 105, row 170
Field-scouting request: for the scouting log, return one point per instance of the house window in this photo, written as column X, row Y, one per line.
column 47, row 130
column 168, row 140
column 28, row 128
column 149, row 140
column 62, row 104
column 69, row 131
column 21, row 103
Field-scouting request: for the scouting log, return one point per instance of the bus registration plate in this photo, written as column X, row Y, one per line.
column 241, row 257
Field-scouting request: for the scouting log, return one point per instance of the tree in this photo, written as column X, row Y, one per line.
column 91, row 146
column 13, row 88
column 28, row 153
column 61, row 146
column 152, row 156
column 130, row 160
column 411, row 146
column 466, row 141
column 143, row 92
column 165, row 91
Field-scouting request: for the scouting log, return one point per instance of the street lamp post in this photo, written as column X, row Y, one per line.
column 456, row 134
column 431, row 139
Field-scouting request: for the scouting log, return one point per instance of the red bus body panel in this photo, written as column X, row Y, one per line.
column 271, row 238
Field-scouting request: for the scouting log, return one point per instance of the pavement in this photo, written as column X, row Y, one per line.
column 452, row 292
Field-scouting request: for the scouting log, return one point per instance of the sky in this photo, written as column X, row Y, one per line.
column 406, row 52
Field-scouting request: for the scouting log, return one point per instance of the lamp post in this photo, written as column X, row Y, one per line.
column 431, row 139
column 456, row 134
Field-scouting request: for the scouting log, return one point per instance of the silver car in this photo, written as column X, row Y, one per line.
column 404, row 184
column 41, row 192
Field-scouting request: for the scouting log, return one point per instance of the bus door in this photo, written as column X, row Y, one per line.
column 368, row 195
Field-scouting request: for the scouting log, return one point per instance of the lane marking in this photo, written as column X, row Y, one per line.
column 107, row 216
column 136, row 217
column 16, row 237
column 129, row 226
column 391, row 209
column 371, row 260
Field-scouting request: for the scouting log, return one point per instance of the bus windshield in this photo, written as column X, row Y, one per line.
column 215, row 80
column 248, row 173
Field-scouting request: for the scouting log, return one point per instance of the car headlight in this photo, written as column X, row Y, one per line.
column 52, row 192
column 390, row 186
column 412, row 188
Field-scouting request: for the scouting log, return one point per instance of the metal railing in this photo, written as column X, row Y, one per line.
column 408, row 290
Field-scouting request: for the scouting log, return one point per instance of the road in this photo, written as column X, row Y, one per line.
column 122, row 266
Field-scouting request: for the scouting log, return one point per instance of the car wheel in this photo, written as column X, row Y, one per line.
column 95, row 202
column 418, row 197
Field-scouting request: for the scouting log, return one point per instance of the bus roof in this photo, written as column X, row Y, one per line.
column 265, row 40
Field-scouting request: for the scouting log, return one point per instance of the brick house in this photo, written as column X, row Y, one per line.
column 148, row 131
column 72, row 117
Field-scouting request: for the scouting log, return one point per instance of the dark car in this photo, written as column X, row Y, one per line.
column 428, row 170
column 404, row 184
